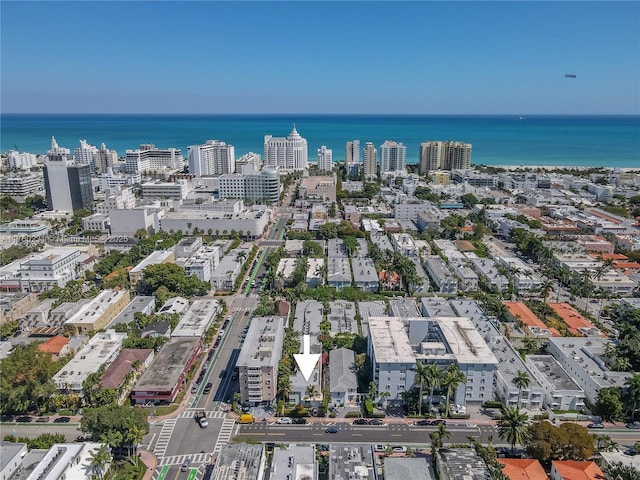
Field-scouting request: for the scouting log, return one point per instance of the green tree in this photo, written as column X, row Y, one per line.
column 100, row 462
column 513, row 426
column 451, row 378
column 620, row 471
column 522, row 381
column 115, row 423
column 421, row 378
column 609, row 403
column 631, row 393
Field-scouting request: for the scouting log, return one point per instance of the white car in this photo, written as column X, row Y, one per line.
column 399, row 449
column 284, row 420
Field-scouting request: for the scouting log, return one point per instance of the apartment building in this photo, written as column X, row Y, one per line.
column 440, row 274
column 259, row 186
column 99, row 312
column 258, row 360
column 212, row 158
column 148, row 158
column 154, row 258
column 325, row 159
column 203, row 263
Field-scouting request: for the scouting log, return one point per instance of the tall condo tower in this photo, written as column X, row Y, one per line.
column 67, row 183
column 436, row 155
column 85, row 154
column 325, row 159
column 289, row 154
column 393, row 157
column 104, row 159
column 352, row 153
column 370, row 160
column 212, row 158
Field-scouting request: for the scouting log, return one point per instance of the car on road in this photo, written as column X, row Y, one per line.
column 360, row 421
column 24, row 419
column 439, row 422
column 222, row 373
column 201, row 418
column 299, row 421
column 62, row 420
column 423, row 423
column 185, row 465
column 634, row 425
column 284, row 420
column 234, row 376
column 207, row 388
column 595, row 425
column 332, row 429
column 376, row 421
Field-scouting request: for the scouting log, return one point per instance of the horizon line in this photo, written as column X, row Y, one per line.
column 325, row 114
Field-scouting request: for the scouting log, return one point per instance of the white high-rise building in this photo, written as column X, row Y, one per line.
column 212, row 158
column 430, row 156
column 393, row 157
column 105, row 159
column 67, row 183
column 250, row 160
column 85, row 155
column 370, row 160
column 21, row 161
column 289, row 154
column 325, row 159
column 352, row 153
column 148, row 158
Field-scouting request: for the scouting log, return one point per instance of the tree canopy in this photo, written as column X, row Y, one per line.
column 171, row 277
column 569, row 441
column 119, row 426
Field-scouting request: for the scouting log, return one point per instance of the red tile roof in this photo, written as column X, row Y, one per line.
column 575, row 470
column 123, row 364
column 523, row 469
column 54, row 345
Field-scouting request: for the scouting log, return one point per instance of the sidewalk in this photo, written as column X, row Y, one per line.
column 149, row 459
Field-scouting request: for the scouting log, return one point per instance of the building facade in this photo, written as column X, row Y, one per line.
column 289, row 153
column 212, row 158
column 325, row 159
column 393, row 157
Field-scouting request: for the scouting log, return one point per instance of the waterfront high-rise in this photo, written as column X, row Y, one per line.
column 66, row 182
column 85, row 155
column 148, row 158
column 370, row 160
column 393, row 157
column 325, row 159
column 212, row 158
column 352, row 153
column 288, row 154
column 104, row 159
column 436, row 155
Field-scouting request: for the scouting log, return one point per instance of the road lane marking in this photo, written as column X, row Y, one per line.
column 163, row 472
column 396, row 435
column 192, row 474
column 276, row 434
column 356, row 434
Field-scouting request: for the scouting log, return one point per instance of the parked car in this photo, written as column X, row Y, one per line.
column 299, row 420
column 62, row 420
column 332, row 429
column 360, row 421
column 439, row 422
column 222, row 373
column 634, row 425
column 42, row 419
column 207, row 388
column 24, row 419
column 194, row 388
column 423, row 423
column 399, row 449
column 284, row 420
column 376, row 421
column 595, row 425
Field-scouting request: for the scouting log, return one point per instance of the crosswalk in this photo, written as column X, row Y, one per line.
column 160, row 448
column 226, row 431
column 195, row 458
column 191, row 413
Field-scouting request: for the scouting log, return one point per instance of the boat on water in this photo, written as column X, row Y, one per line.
column 522, row 118
column 569, row 75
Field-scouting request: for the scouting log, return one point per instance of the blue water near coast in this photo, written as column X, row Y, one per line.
column 610, row 141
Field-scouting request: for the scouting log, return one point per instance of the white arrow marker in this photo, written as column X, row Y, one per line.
column 306, row 360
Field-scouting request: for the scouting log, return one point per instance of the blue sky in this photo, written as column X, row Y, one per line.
column 320, row 57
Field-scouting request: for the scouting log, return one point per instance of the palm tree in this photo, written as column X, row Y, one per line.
column 522, row 381
column 438, row 436
column 311, row 392
column 632, row 392
column 513, row 426
column 545, row 288
column 434, row 375
column 421, row 377
column 100, row 461
column 284, row 390
column 452, row 377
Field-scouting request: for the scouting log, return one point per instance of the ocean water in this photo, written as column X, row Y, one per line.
column 612, row 141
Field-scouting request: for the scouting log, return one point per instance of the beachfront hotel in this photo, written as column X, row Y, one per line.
column 289, row 154
column 212, row 158
column 393, row 157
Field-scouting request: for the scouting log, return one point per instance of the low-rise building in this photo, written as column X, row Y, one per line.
column 198, row 319
column 577, row 325
column 11, row 455
column 402, row 468
column 308, row 316
column 435, row 307
column 140, row 304
column 440, row 275
column 522, row 469
column 365, row 275
column 352, row 460
column 343, row 380
column 341, row 316
column 574, row 469
column 203, row 262
column 53, row 267
column 99, row 312
column 161, row 381
column 259, row 359
column 240, row 460
column 96, row 223
column 294, row 462
column 102, row 349
column 338, row 272
column 225, row 275
column 404, row 244
column 174, row 306
column 125, row 370
column 315, row 272
column 583, row 359
column 460, row 464
column 70, row 461
column 523, row 277
column 154, row 258
column 561, row 392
